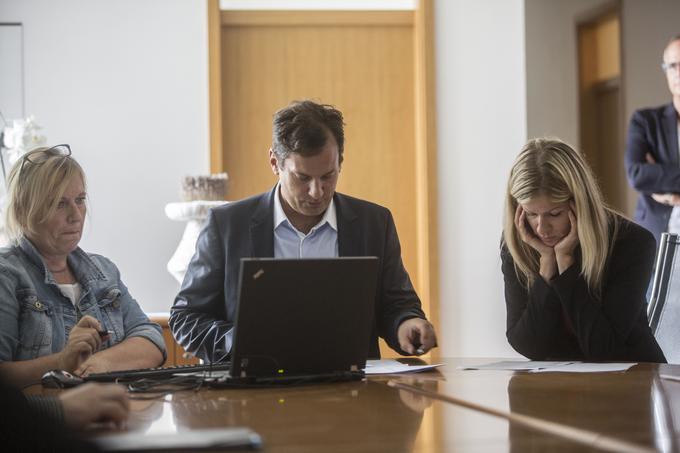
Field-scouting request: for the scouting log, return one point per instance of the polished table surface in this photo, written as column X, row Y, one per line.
column 635, row 406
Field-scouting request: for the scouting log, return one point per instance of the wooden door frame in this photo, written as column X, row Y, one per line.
column 612, row 8
column 425, row 133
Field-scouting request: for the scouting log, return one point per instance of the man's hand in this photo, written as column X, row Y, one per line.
column 83, row 341
column 95, row 403
column 416, row 336
column 669, row 199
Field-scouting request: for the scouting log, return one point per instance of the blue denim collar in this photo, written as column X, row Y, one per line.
column 83, row 267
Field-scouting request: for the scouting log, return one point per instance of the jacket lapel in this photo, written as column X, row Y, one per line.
column 670, row 129
column 262, row 227
column 349, row 233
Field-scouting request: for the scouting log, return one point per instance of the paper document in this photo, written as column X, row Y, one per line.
column 515, row 365
column 191, row 440
column 547, row 367
column 583, row 367
column 391, row 366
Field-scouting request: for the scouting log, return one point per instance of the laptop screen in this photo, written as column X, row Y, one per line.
column 303, row 316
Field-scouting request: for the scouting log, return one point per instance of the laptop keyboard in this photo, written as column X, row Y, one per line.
column 156, row 373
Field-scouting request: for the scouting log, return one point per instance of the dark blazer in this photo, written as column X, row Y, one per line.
column 563, row 321
column 202, row 317
column 653, row 131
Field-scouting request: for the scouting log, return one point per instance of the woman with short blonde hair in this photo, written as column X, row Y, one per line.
column 60, row 307
column 575, row 271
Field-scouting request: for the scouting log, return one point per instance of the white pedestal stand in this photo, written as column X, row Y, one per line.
column 194, row 213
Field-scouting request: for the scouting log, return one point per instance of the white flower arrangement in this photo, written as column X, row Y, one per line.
column 21, row 136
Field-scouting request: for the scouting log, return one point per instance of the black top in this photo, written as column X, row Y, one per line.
column 35, row 424
column 564, row 321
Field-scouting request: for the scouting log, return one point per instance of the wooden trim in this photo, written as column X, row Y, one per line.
column 426, row 160
column 215, row 86
column 316, row 18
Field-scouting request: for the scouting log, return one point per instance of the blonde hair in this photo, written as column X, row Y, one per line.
column 35, row 185
column 551, row 168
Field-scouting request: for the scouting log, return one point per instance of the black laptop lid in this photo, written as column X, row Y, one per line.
column 303, row 316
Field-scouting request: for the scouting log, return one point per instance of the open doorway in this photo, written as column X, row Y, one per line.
column 601, row 104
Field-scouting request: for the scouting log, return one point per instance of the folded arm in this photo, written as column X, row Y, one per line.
column 643, row 175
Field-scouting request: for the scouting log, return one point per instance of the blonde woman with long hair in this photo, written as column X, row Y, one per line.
column 575, row 271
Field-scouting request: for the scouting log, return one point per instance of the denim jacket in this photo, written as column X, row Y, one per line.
column 36, row 318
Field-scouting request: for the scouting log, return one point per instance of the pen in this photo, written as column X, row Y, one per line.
column 105, row 333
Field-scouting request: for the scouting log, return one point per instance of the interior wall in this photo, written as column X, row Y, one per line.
column 125, row 83
column 481, row 126
column 11, row 75
column 552, row 71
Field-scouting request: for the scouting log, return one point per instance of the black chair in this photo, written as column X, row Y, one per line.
column 663, row 311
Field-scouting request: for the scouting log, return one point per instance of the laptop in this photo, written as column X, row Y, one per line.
column 297, row 320
column 303, row 316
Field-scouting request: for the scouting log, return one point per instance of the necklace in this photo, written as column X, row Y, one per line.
column 59, row 271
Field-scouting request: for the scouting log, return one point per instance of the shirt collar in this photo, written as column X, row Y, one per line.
column 330, row 216
column 83, row 266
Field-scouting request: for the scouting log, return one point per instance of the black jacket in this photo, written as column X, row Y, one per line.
column 653, row 131
column 563, row 321
column 202, row 317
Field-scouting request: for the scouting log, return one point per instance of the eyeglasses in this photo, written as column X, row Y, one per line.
column 62, row 150
column 672, row 66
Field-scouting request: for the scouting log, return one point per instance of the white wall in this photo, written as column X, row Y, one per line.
column 125, row 83
column 11, row 75
column 481, row 114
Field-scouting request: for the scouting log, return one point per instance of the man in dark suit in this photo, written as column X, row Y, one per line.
column 301, row 217
column 652, row 160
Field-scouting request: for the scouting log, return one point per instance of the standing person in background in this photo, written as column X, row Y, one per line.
column 652, row 155
column 575, row 271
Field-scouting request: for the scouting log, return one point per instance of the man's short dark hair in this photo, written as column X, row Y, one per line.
column 303, row 127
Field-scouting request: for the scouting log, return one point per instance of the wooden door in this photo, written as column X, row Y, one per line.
column 365, row 64
column 599, row 57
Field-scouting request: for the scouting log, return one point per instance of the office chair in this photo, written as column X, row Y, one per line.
column 663, row 310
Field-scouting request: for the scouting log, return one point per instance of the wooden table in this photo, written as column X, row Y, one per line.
column 635, row 406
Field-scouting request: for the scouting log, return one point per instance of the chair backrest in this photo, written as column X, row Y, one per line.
column 663, row 311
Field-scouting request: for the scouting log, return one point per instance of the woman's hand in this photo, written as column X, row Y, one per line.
column 94, row 364
column 564, row 250
column 83, row 341
column 548, row 264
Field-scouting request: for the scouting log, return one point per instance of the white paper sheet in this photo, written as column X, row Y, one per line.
column 514, row 365
column 390, row 366
column 582, row 367
column 547, row 367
